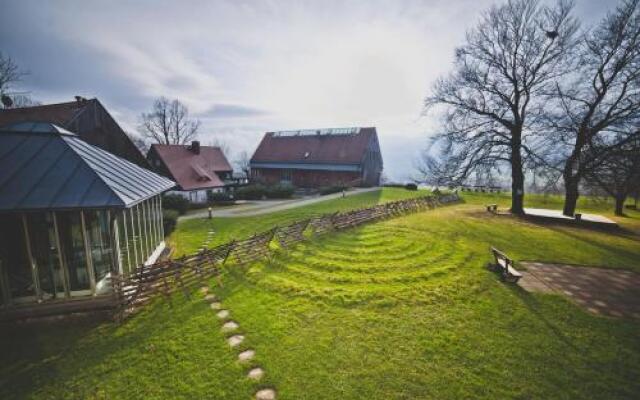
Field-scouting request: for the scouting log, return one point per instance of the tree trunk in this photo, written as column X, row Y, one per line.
column 571, row 182
column 620, row 199
column 517, row 180
column 571, row 195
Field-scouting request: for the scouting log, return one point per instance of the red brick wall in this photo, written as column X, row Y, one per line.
column 305, row 178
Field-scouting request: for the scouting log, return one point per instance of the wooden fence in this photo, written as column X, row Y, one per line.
column 165, row 277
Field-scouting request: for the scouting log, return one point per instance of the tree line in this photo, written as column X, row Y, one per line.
column 535, row 93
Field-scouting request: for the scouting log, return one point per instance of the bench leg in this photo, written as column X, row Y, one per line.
column 512, row 279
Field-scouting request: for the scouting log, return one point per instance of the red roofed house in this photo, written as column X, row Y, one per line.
column 319, row 157
column 87, row 118
column 196, row 169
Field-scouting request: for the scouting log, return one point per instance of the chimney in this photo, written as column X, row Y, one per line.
column 195, row 147
column 80, row 100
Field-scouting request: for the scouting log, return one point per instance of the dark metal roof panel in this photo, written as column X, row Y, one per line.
column 50, row 170
column 130, row 182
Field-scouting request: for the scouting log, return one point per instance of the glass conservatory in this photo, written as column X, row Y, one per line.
column 71, row 215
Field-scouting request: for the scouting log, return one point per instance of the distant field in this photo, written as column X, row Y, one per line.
column 400, row 309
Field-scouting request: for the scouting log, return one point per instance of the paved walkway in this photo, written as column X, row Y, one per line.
column 557, row 215
column 260, row 207
column 601, row 291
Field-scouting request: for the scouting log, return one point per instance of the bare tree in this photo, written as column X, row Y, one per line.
column 168, row 123
column 223, row 145
column 23, row 100
column 242, row 162
column 618, row 174
column 10, row 73
column 495, row 94
column 601, row 99
column 139, row 142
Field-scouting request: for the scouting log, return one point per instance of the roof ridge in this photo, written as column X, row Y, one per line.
column 50, row 105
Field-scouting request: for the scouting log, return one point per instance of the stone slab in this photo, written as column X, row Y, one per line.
column 230, row 326
column 256, row 374
column 266, row 394
column 235, row 340
column 246, row 355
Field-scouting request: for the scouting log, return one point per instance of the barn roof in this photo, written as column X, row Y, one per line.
column 193, row 170
column 99, row 127
column 316, row 146
column 45, row 167
column 59, row 113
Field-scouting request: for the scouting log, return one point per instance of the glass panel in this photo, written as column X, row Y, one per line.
column 97, row 225
column 154, row 206
column 133, row 237
column 44, row 250
column 151, row 224
column 73, row 251
column 137, row 215
column 147, row 232
column 14, row 257
column 123, row 231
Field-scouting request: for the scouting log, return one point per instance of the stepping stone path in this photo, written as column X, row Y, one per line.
column 246, row 355
column 235, row 340
column 210, row 298
column 266, row 394
column 256, row 373
column 230, row 326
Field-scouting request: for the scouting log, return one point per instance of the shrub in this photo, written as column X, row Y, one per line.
column 258, row 192
column 175, row 202
column 251, row 192
column 169, row 220
column 332, row 189
column 219, row 197
column 411, row 186
column 281, row 191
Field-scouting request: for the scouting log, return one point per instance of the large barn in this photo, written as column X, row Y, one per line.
column 318, row 158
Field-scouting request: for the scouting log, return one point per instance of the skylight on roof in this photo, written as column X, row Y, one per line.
column 326, row 131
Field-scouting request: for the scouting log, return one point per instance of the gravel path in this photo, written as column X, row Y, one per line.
column 269, row 206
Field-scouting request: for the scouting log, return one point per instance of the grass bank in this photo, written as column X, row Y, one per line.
column 399, row 309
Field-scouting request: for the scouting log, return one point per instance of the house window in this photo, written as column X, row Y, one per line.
column 285, row 175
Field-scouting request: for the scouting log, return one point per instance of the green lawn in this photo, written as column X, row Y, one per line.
column 190, row 234
column 400, row 309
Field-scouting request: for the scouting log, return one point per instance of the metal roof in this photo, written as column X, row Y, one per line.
column 46, row 167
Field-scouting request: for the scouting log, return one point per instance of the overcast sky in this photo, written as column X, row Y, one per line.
column 247, row 67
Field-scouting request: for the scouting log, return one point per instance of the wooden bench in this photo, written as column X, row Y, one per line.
column 504, row 265
column 492, row 207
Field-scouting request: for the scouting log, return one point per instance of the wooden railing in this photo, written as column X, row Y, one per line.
column 164, row 278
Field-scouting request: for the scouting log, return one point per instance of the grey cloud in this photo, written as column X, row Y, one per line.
column 231, row 111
